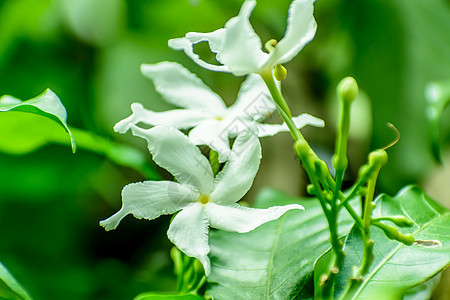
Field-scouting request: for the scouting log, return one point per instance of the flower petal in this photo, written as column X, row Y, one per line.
column 214, row 134
column 301, row 28
column 241, row 50
column 182, row 88
column 299, row 121
column 173, row 151
column 186, row 44
column 236, row 178
column 238, row 218
column 151, row 199
column 189, row 232
column 178, row 118
column 253, row 100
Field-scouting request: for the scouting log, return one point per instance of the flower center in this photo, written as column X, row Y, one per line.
column 218, row 118
column 203, row 199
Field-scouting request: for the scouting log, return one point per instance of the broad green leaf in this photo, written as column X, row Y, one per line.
column 27, row 132
column 46, row 104
column 274, row 261
column 438, row 97
column 10, row 286
column 397, row 266
column 156, row 296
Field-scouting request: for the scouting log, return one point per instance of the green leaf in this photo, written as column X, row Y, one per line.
column 46, row 104
column 274, row 261
column 438, row 97
column 25, row 133
column 11, row 286
column 397, row 266
column 156, row 296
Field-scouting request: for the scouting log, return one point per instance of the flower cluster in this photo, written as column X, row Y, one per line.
column 202, row 198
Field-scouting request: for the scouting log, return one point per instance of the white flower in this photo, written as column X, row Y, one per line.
column 204, row 111
column 238, row 47
column 204, row 201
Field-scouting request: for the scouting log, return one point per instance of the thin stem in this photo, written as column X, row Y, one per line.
column 275, row 92
column 312, row 163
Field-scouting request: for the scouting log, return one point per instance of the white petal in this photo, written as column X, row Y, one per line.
column 186, row 44
column 173, row 151
column 253, row 100
column 241, row 48
column 151, row 199
column 301, row 28
column 182, row 88
column 299, row 121
column 213, row 134
column 236, row 178
column 238, row 218
column 189, row 232
column 178, row 118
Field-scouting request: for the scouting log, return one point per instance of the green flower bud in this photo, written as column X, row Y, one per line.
column 310, row 189
column 270, row 45
column 280, row 72
column 378, row 157
column 347, row 89
column 407, row 239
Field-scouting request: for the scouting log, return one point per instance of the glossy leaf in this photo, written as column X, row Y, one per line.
column 10, row 286
column 28, row 132
column 46, row 104
column 156, row 296
column 274, row 261
column 397, row 266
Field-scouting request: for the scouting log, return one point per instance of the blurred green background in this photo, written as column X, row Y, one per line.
column 89, row 52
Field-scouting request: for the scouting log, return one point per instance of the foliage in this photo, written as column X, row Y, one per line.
column 89, row 53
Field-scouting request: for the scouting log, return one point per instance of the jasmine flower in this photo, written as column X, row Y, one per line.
column 238, row 48
column 203, row 110
column 203, row 201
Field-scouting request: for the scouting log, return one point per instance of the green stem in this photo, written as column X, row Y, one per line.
column 311, row 162
column 275, row 92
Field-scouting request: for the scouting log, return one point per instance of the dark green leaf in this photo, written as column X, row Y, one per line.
column 156, row 296
column 46, row 104
column 11, row 283
column 274, row 261
column 397, row 266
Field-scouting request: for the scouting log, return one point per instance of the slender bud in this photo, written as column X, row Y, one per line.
column 400, row 221
column 348, row 89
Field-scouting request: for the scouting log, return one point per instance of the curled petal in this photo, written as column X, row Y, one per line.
column 243, row 164
column 151, row 199
column 299, row 121
column 237, row 218
column 173, row 151
column 178, row 118
column 186, row 44
column 189, row 232
column 241, row 48
column 182, row 88
column 301, row 28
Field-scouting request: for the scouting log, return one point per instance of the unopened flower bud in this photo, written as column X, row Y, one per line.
column 348, row 89
column 280, row 72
